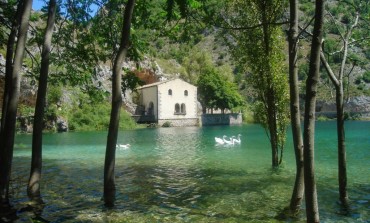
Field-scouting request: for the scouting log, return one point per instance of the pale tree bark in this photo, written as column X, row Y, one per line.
column 8, row 133
column 298, row 191
column 33, row 189
column 312, row 211
column 110, row 155
column 338, row 83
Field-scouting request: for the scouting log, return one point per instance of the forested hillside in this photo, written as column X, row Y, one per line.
column 165, row 45
column 76, row 65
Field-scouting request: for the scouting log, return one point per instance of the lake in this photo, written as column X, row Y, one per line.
column 180, row 175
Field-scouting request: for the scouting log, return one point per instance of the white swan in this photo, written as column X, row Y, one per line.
column 219, row 141
column 238, row 140
column 229, row 142
column 123, row 146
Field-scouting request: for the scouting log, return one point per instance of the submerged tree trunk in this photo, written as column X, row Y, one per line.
column 338, row 83
column 270, row 91
column 312, row 211
column 110, row 155
column 33, row 189
column 298, row 191
column 342, row 160
column 8, row 133
column 272, row 119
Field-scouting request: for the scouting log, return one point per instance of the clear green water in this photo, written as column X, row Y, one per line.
column 179, row 175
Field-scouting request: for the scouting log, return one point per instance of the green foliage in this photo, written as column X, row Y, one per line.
column 54, row 94
column 322, row 118
column 366, row 77
column 216, row 91
column 259, row 51
column 361, row 80
column 95, row 116
column 196, row 63
column 307, row 7
column 130, row 82
column 82, row 111
column 25, row 111
column 167, row 124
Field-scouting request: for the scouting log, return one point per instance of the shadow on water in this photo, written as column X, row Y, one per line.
column 151, row 193
column 147, row 193
column 189, row 180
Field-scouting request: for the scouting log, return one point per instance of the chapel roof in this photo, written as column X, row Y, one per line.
column 157, row 83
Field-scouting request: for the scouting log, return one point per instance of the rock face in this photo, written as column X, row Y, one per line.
column 357, row 106
column 62, row 125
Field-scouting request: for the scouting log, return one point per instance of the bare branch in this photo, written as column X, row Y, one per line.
column 332, row 76
column 305, row 28
column 33, row 59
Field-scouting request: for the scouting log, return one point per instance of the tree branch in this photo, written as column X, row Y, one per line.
column 332, row 76
column 305, row 28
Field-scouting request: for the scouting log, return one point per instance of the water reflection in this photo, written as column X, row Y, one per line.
column 178, row 175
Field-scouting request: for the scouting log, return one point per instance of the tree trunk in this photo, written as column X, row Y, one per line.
column 33, row 189
column 9, row 65
column 338, row 83
column 270, row 92
column 312, row 211
column 342, row 160
column 4, row 154
column 110, row 155
column 273, row 128
column 7, row 140
column 298, row 191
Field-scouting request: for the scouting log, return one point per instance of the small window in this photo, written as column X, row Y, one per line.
column 183, row 108
column 186, row 92
column 177, row 108
column 169, row 92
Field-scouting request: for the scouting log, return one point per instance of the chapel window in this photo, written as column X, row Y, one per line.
column 177, row 108
column 183, row 108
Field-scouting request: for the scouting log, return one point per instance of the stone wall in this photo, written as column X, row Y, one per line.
column 179, row 122
column 222, row 119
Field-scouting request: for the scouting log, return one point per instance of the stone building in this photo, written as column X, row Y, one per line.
column 173, row 102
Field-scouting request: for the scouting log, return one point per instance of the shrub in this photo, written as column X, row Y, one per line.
column 366, row 77
column 167, row 124
column 322, row 118
column 96, row 116
column 55, row 93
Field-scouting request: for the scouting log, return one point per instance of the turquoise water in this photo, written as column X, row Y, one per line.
column 180, row 175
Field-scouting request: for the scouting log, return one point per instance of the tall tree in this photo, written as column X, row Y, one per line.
column 33, row 189
column 110, row 155
column 295, row 114
column 9, row 60
column 345, row 27
column 216, row 92
column 258, row 48
column 312, row 211
column 8, row 133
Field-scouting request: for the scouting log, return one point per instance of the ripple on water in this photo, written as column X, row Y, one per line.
column 178, row 175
